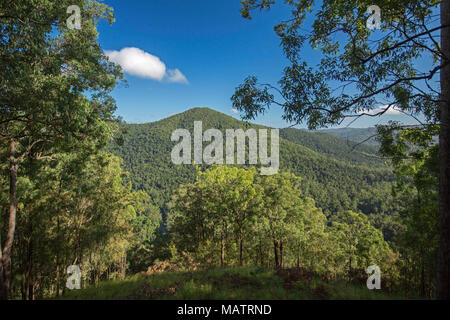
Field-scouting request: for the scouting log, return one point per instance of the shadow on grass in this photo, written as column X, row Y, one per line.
column 240, row 283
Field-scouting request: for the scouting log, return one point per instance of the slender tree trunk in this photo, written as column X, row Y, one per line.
column 281, row 254
column 58, row 236
column 422, row 280
column 222, row 252
column 6, row 254
column 124, row 266
column 1, row 268
column 275, row 249
column 30, row 283
column 261, row 253
column 57, row 280
column 443, row 274
column 240, row 250
column 23, row 290
column 350, row 268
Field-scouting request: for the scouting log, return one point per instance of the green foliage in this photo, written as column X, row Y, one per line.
column 221, row 205
column 415, row 158
column 56, row 114
column 335, row 147
column 45, row 71
column 359, row 242
column 358, row 67
column 147, row 228
column 361, row 69
column 356, row 135
column 249, row 219
column 60, row 223
column 75, row 204
column 336, row 177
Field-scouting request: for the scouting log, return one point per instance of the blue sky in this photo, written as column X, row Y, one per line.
column 199, row 51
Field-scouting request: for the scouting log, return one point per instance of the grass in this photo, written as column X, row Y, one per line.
column 241, row 283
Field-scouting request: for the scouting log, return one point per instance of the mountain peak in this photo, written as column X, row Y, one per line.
column 204, row 110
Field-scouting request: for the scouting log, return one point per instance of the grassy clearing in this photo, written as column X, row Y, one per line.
column 224, row 283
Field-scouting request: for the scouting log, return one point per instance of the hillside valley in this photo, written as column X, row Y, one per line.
column 337, row 176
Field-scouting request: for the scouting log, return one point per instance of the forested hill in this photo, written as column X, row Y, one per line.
column 334, row 175
column 334, row 146
column 355, row 135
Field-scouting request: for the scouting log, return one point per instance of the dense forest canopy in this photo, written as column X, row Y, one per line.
column 327, row 163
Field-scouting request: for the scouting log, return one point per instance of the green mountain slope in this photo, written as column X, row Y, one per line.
column 334, row 146
column 356, row 135
column 334, row 179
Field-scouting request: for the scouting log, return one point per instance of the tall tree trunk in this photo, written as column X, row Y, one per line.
column 30, row 282
column 443, row 274
column 281, row 254
column 57, row 280
column 222, row 252
column 422, row 279
column 58, row 248
column 23, row 290
column 275, row 249
column 350, row 272
column 261, row 253
column 6, row 254
column 2, row 297
column 240, row 250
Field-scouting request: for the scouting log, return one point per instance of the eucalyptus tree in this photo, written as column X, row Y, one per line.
column 220, row 207
column 415, row 158
column 364, row 71
column 54, row 89
column 280, row 213
column 86, row 217
column 359, row 243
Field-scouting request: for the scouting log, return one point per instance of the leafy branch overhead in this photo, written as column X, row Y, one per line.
column 359, row 69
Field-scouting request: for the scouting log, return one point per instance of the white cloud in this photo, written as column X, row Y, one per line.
column 142, row 64
column 393, row 110
column 234, row 111
column 176, row 76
